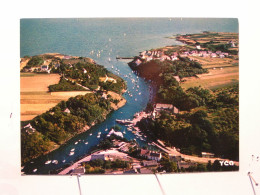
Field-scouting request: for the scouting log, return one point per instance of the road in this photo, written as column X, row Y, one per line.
column 173, row 151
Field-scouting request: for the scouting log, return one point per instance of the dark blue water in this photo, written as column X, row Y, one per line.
column 110, row 38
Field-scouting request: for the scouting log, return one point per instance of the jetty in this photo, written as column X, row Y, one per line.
column 124, row 58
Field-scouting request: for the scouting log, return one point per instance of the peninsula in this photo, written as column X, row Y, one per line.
column 62, row 96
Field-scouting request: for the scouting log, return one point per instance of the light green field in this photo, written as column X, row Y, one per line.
column 219, row 77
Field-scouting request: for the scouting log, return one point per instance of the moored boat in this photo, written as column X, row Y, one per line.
column 48, row 162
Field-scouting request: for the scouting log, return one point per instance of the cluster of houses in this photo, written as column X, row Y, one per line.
column 156, row 54
column 117, row 133
column 160, row 55
column 150, row 162
column 201, row 53
column 45, row 67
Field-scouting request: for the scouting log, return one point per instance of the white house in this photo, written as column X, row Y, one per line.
column 198, row 47
column 138, row 62
column 207, row 155
column 67, row 111
column 120, row 134
column 155, row 156
column 213, row 55
column 44, row 68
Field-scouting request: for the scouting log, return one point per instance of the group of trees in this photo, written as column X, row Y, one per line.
column 65, row 85
column 163, row 71
column 156, row 70
column 34, row 61
column 211, row 46
column 56, row 126
column 100, row 166
column 211, row 124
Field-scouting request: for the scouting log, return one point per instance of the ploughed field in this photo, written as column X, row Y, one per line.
column 34, row 96
column 222, row 72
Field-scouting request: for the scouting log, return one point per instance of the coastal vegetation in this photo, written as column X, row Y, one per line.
column 65, row 85
column 159, row 71
column 34, row 61
column 87, row 75
column 211, row 124
column 61, row 123
column 99, row 166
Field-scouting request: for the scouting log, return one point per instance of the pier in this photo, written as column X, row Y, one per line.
column 124, row 58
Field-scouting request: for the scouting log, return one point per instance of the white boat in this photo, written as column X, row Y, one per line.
column 76, row 143
column 71, row 153
column 55, row 162
column 90, row 134
column 86, row 143
column 139, row 93
column 106, row 129
column 48, row 162
column 34, row 170
column 98, row 136
column 72, row 149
